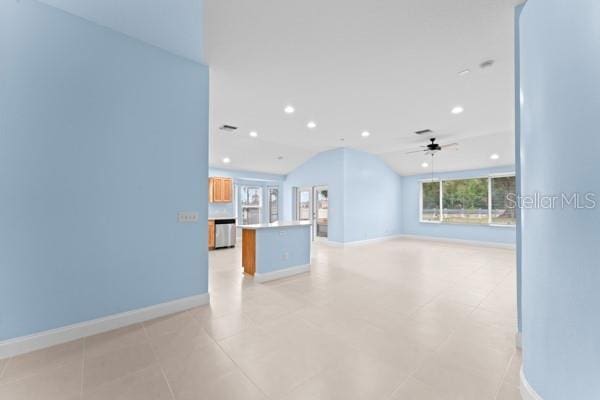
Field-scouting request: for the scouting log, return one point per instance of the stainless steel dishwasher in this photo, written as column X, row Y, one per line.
column 225, row 233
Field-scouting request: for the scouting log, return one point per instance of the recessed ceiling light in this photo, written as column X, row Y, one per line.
column 253, row 134
column 464, row 72
column 457, row 110
column 311, row 125
column 289, row 109
column 424, row 165
column 365, row 134
column 226, row 160
column 494, row 156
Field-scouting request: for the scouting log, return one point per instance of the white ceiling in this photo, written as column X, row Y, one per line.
column 386, row 66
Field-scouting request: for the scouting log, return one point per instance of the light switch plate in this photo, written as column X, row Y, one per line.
column 187, row 217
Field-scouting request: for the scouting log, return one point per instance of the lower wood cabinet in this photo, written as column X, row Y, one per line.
column 211, row 234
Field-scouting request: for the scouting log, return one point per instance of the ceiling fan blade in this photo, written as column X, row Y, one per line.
column 449, row 145
column 416, row 151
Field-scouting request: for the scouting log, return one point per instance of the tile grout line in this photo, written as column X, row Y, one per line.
column 162, row 371
column 505, row 374
column 5, row 367
column 239, row 368
column 83, row 366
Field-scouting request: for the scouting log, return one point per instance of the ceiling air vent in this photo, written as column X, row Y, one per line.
column 228, row 128
column 424, row 132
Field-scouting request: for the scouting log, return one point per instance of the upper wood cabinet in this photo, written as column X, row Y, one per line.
column 220, row 190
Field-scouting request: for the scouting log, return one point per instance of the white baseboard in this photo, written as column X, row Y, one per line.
column 362, row 242
column 510, row 246
column 40, row 340
column 519, row 340
column 332, row 243
column 527, row 392
column 282, row 273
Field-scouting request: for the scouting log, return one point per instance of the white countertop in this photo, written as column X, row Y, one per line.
column 282, row 224
column 218, row 218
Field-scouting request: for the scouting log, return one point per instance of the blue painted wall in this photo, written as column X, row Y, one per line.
column 103, row 139
column 273, row 245
column 560, row 143
column 372, row 197
column 364, row 193
column 246, row 178
column 411, row 186
column 326, row 168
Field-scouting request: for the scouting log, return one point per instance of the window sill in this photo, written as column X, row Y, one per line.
column 463, row 224
column 430, row 222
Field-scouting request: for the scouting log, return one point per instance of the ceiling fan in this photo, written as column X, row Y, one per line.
column 433, row 147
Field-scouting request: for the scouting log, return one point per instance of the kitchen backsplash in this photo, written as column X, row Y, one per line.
column 219, row 210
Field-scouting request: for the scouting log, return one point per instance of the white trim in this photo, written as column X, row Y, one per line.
column 282, row 273
column 40, row 340
column 476, row 176
column 518, row 340
column 513, row 226
column 489, row 178
column 362, row 242
column 486, row 225
column 510, row 246
column 490, row 200
column 371, row 241
column 439, row 221
column 503, row 174
column 527, row 392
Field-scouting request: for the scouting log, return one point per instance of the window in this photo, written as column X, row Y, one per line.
column 430, row 193
column 304, row 204
column 503, row 210
column 273, row 204
column 251, row 202
column 475, row 201
column 465, row 201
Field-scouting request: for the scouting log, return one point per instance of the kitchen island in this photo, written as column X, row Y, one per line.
column 276, row 250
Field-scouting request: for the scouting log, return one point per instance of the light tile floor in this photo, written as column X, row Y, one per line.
column 401, row 319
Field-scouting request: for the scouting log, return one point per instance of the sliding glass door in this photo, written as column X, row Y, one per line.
column 312, row 204
column 321, row 221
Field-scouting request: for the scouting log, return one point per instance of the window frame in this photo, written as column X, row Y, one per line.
column 441, row 181
column 421, row 182
column 268, row 202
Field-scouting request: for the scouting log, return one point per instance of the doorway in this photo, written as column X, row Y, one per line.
column 312, row 204
column 321, row 214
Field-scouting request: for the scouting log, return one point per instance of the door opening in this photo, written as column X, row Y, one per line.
column 312, row 204
column 321, row 215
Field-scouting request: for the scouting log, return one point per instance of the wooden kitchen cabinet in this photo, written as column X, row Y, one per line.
column 211, row 234
column 227, row 190
column 220, row 190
